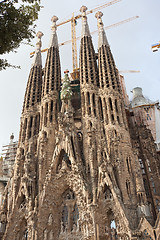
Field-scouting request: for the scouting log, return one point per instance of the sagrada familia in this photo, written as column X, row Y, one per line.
column 84, row 169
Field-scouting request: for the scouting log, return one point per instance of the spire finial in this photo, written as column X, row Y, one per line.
column 12, row 136
column 85, row 27
column 54, row 40
column 83, row 10
column 39, row 42
column 98, row 15
column 54, row 19
column 37, row 57
column 102, row 39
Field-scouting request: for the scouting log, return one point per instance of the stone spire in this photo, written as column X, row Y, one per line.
column 108, row 75
column 102, row 39
column 34, row 85
column 37, row 61
column 54, row 39
column 85, row 27
column 88, row 65
column 52, row 73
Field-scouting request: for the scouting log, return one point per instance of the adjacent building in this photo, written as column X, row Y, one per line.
column 147, row 112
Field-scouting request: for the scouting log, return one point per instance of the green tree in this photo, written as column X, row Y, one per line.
column 16, row 24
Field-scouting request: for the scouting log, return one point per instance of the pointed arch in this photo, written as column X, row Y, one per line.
column 63, row 160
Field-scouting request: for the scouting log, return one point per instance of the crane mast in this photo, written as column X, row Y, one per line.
column 74, row 43
column 74, row 39
column 73, row 31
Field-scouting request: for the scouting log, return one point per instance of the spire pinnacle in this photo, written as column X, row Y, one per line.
column 54, row 39
column 37, row 61
column 102, row 39
column 85, row 27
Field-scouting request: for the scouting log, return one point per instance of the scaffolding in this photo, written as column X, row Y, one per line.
column 8, row 155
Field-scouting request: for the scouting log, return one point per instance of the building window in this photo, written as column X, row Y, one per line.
column 70, row 213
column 146, row 109
column 146, row 187
column 153, row 185
column 158, row 205
column 149, row 167
column 65, row 217
column 142, row 166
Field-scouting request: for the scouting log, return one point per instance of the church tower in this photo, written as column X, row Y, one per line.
column 22, row 189
column 115, row 122
column 50, row 104
column 77, row 173
column 89, row 83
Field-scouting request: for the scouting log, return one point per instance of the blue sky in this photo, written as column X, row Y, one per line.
column 130, row 44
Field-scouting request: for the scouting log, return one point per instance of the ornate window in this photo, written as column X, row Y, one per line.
column 142, row 166
column 149, row 167
column 70, row 213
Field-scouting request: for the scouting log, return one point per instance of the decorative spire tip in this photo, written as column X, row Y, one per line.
column 37, row 57
column 83, row 9
column 39, row 34
column 102, row 39
column 98, row 14
column 54, row 19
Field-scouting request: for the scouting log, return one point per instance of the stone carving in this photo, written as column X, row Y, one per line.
column 50, row 220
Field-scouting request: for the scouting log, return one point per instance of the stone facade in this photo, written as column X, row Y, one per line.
column 78, row 171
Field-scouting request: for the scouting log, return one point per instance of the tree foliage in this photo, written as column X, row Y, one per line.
column 16, row 24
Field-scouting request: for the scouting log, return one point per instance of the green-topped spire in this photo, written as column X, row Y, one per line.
column 66, row 91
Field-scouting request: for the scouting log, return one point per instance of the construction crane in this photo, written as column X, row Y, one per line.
column 73, row 21
column 129, row 71
column 106, row 28
column 74, row 52
column 155, row 47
